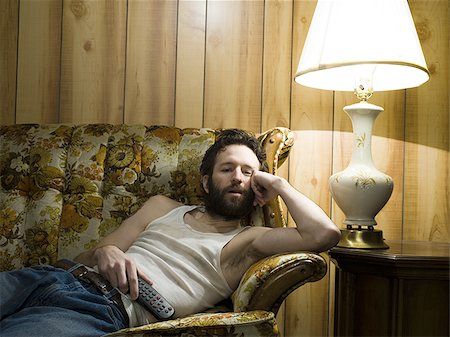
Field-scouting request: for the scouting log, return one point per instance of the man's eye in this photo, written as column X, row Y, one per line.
column 225, row 170
column 248, row 173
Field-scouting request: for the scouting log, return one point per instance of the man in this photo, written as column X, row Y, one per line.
column 194, row 256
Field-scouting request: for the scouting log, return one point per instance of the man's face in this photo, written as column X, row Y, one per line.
column 229, row 192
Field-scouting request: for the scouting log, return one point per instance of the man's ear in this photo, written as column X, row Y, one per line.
column 205, row 179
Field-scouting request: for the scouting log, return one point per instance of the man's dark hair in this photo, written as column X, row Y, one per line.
column 231, row 137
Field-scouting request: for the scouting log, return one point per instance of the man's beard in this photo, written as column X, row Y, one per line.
column 230, row 208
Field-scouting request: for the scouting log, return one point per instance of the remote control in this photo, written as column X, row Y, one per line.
column 153, row 301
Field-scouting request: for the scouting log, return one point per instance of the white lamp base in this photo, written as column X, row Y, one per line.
column 361, row 190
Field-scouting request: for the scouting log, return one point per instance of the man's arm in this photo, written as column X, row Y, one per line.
column 109, row 255
column 315, row 231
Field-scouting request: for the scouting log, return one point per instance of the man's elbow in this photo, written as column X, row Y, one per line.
column 334, row 236
column 329, row 238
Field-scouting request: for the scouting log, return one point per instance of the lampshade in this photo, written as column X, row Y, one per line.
column 350, row 40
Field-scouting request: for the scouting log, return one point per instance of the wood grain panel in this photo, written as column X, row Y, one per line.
column 310, row 167
column 39, row 61
column 190, row 63
column 93, row 61
column 151, row 61
column 427, row 205
column 277, row 77
column 280, row 318
column 387, row 153
column 9, row 25
column 277, row 81
column 233, row 81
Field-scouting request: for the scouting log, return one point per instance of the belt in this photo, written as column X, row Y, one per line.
column 98, row 281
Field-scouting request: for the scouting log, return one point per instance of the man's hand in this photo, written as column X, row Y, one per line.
column 119, row 269
column 266, row 186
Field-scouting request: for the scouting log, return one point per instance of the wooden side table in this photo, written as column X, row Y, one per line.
column 400, row 291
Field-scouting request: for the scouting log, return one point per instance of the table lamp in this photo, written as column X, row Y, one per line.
column 362, row 46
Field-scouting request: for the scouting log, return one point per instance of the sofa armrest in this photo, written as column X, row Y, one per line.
column 253, row 323
column 268, row 282
column 277, row 143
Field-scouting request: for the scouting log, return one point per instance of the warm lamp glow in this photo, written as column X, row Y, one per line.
column 362, row 46
column 353, row 40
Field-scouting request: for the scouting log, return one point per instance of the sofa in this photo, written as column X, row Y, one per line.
column 64, row 187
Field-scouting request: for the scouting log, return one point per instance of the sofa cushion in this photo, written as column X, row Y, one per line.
column 63, row 188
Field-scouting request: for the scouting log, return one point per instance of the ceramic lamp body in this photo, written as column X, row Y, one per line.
column 361, row 190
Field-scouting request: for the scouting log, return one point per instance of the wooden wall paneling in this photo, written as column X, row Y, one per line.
column 9, row 30
column 387, row 153
column 306, row 311
column 277, row 81
column 233, row 79
column 190, row 69
column 93, row 61
column 39, row 61
column 151, row 62
column 342, row 144
column 280, row 318
column 427, row 205
column 310, row 167
column 277, row 73
column 277, row 76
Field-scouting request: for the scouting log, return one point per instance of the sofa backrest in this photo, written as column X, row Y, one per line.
column 65, row 187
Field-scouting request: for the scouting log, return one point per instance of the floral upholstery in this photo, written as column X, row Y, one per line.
column 251, row 323
column 64, row 187
column 267, row 283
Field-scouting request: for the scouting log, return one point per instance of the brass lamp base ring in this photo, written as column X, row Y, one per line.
column 362, row 239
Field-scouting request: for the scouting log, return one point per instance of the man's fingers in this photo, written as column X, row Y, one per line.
column 255, row 188
column 261, row 201
column 119, row 269
column 259, row 193
column 112, row 278
column 122, row 278
column 133, row 281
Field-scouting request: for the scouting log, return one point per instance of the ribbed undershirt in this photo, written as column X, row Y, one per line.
column 184, row 265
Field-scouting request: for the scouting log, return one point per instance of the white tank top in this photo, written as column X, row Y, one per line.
column 184, row 265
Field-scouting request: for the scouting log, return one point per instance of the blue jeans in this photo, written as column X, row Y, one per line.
column 47, row 301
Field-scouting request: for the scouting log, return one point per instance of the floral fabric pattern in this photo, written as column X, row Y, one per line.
column 251, row 323
column 63, row 188
column 32, row 166
column 271, row 267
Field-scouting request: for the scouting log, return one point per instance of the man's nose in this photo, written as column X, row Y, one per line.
column 238, row 176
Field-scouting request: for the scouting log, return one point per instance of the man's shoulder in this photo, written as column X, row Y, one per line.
column 162, row 199
column 162, row 204
column 156, row 207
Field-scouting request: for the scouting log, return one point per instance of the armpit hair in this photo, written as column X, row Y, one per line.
column 249, row 254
